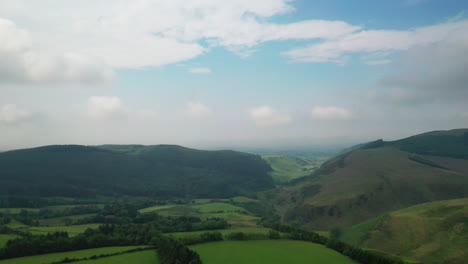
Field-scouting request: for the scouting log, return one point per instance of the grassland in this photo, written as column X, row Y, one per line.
column 142, row 257
column 60, row 221
column 217, row 208
column 72, row 230
column 434, row 232
column 210, row 208
column 268, row 252
column 49, row 258
column 287, row 168
column 52, row 208
column 224, row 232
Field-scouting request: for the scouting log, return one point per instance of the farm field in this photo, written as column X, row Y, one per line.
column 206, row 208
column 52, row 208
column 72, row 230
column 268, row 252
column 287, row 168
column 55, row 257
column 142, row 257
column 60, row 221
column 247, row 230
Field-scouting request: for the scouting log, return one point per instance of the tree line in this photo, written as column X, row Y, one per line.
column 356, row 253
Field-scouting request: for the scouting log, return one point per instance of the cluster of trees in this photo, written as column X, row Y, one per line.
column 361, row 255
column 104, row 236
column 171, row 251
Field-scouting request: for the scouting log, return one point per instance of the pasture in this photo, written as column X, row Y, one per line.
column 79, row 254
column 268, row 252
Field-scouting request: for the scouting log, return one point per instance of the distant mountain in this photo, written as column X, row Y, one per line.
column 435, row 232
column 379, row 177
column 159, row 171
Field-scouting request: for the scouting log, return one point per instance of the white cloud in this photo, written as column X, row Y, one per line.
column 11, row 114
column 197, row 110
column 267, row 116
column 105, row 107
column 330, row 113
column 371, row 41
column 22, row 61
column 200, row 70
column 75, row 41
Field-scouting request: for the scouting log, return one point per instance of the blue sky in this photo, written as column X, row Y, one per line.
column 211, row 74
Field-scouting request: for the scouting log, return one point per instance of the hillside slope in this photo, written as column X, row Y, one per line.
column 434, row 232
column 374, row 179
column 161, row 171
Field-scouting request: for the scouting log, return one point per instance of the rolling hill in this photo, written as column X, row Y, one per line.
column 377, row 178
column 435, row 232
column 158, row 171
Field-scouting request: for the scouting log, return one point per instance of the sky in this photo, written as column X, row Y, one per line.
column 230, row 74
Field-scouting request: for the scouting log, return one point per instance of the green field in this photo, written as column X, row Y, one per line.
column 217, row 208
column 142, row 257
column 235, row 215
column 156, row 208
column 55, row 257
column 287, row 168
column 60, row 221
column 52, row 208
column 72, row 230
column 4, row 239
column 247, row 230
column 268, row 252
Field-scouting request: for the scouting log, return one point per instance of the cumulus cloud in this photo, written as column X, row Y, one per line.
column 12, row 114
column 22, row 61
column 436, row 73
column 371, row 41
column 200, row 70
column 197, row 110
column 267, row 116
column 78, row 40
column 105, row 107
column 330, row 113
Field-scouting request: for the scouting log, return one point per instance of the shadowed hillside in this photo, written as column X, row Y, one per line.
column 160, row 171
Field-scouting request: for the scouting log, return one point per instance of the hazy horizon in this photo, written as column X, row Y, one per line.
column 267, row 74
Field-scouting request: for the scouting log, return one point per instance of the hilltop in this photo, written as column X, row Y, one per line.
column 158, row 171
column 378, row 177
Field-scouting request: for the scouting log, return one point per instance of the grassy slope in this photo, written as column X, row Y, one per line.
column 287, row 168
column 54, row 257
column 365, row 184
column 268, row 252
column 434, row 232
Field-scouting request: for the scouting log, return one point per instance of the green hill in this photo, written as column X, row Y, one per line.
column 434, row 232
column 377, row 178
column 159, row 171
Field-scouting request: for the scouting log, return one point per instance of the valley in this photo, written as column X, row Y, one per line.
column 380, row 202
